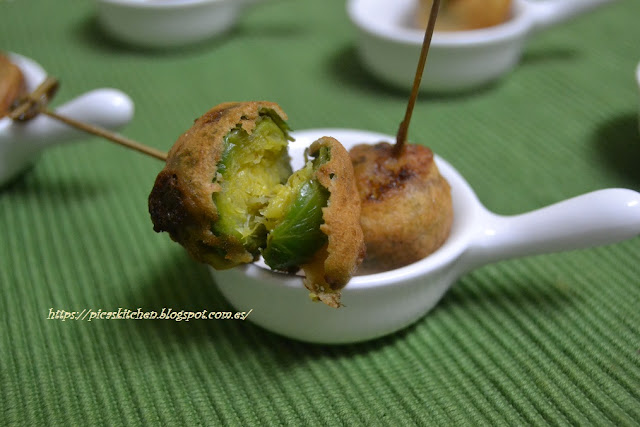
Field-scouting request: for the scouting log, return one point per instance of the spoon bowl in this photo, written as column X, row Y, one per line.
column 379, row 304
column 389, row 44
column 21, row 143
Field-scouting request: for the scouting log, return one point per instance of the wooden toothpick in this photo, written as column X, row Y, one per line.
column 36, row 103
column 403, row 130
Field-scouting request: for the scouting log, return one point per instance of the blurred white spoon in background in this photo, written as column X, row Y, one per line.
column 21, row 143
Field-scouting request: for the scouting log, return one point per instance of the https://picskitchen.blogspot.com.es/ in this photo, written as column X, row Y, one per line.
column 90, row 314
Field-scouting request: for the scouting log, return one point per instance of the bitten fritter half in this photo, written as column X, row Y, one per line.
column 333, row 267
column 181, row 201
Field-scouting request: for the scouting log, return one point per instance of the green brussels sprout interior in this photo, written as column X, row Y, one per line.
column 252, row 169
column 265, row 206
column 293, row 218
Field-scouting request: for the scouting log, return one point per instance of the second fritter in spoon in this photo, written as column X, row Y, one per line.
column 406, row 204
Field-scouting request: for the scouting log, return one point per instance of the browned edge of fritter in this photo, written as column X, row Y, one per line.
column 345, row 248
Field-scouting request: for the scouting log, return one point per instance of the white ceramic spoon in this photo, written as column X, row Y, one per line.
column 389, row 45
column 20, row 143
column 380, row 304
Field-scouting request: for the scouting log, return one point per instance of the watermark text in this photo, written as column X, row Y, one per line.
column 91, row 314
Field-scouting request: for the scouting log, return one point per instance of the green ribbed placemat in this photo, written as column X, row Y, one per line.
column 552, row 339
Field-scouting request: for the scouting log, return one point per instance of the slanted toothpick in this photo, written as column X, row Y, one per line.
column 35, row 103
column 401, row 137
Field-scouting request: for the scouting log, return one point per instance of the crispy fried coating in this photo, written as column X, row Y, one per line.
column 181, row 200
column 406, row 204
column 333, row 266
column 12, row 84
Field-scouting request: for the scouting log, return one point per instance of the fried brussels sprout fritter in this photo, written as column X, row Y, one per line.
column 228, row 195
column 406, row 204
column 464, row 15
column 12, row 84
column 217, row 177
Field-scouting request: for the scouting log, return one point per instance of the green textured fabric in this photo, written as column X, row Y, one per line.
column 551, row 339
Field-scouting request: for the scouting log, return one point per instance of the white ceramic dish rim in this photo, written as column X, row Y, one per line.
column 414, row 36
column 164, row 4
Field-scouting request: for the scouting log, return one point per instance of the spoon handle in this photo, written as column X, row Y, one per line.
column 547, row 13
column 597, row 218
